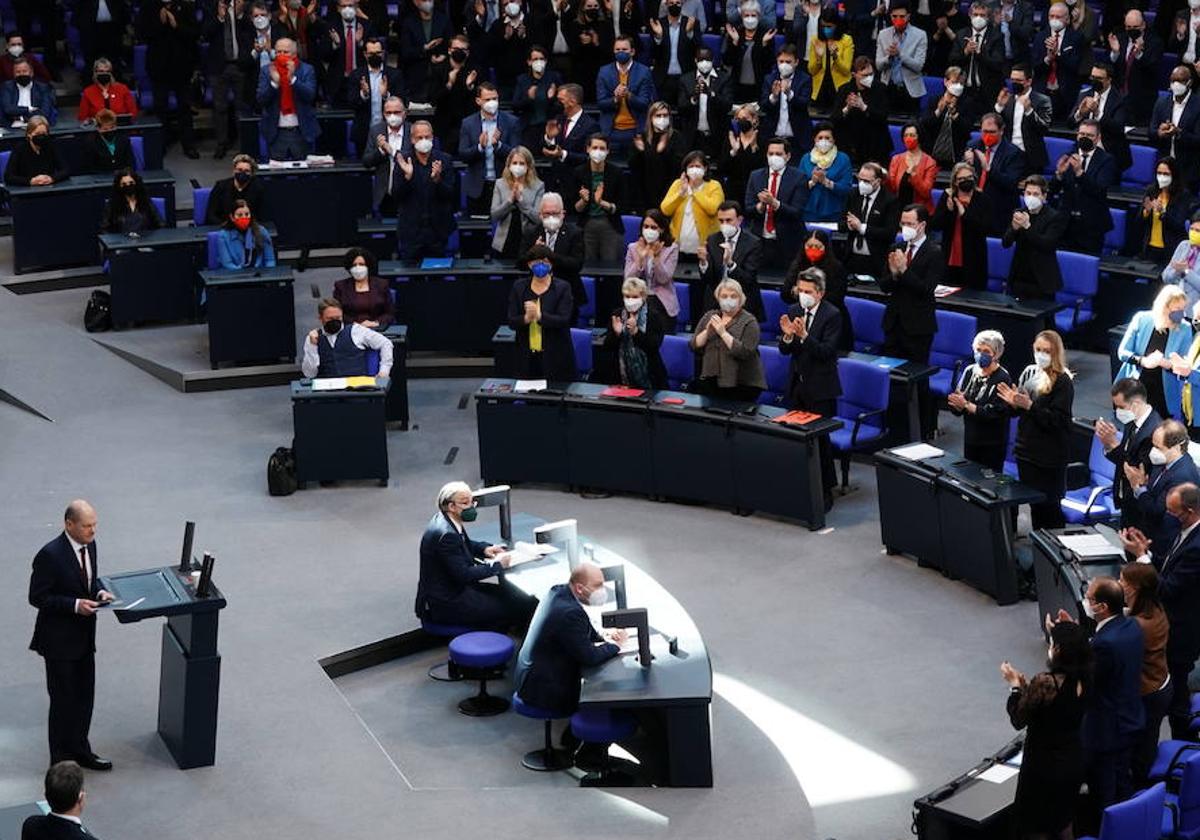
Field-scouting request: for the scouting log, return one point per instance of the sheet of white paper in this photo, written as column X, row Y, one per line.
column 918, row 451
column 998, row 773
column 129, row 606
column 1089, row 545
column 332, row 383
column 525, row 386
column 630, row 645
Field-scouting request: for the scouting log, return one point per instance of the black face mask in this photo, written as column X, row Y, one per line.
column 1133, row 34
column 1097, row 83
column 40, row 140
column 744, row 125
column 242, row 178
column 333, row 326
column 966, row 185
column 128, row 189
column 24, row 81
column 103, row 78
column 375, row 61
column 592, row 14
column 1086, row 144
column 458, row 55
column 674, row 9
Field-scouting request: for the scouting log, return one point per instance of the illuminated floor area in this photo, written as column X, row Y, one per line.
column 847, row 683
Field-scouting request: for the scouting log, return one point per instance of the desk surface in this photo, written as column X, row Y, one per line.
column 151, row 177
column 961, row 474
column 241, row 277
column 685, row 677
column 1130, row 267
column 338, row 167
column 302, row 390
column 162, row 592
column 158, row 238
column 973, row 300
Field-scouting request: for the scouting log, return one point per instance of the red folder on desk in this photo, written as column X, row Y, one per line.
column 621, row 391
column 797, row 418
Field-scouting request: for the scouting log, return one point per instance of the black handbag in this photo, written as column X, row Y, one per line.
column 97, row 317
column 281, row 472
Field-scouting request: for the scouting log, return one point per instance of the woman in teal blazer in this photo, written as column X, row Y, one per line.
column 829, row 191
column 244, row 243
column 1151, row 340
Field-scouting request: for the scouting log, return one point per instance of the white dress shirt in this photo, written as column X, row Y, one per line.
column 783, row 128
column 91, row 569
column 364, row 338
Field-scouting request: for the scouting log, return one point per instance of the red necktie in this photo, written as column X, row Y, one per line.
column 908, row 255
column 769, row 223
column 83, row 571
column 987, row 156
column 349, row 49
column 1052, row 73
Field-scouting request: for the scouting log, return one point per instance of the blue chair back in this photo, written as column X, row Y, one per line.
column 935, row 86
column 999, row 264
column 1100, row 469
column 587, row 312
column 1187, row 804
column 582, row 340
column 952, row 342
column 683, row 292
column 896, row 132
column 4, row 156
column 211, row 241
column 1056, row 147
column 713, row 42
column 1081, row 281
column 773, row 307
column 372, row 362
column 139, row 152
column 679, row 361
column 1141, row 171
column 935, row 195
column 865, row 387
column 160, row 204
column 866, row 317
column 1138, row 818
column 777, row 370
column 633, row 227
column 1114, row 240
column 200, row 204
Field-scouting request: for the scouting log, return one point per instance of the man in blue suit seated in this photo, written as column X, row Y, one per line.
column 22, row 96
column 66, row 798
column 624, row 90
column 562, row 641
column 484, row 141
column 287, row 88
column 775, row 199
column 343, row 349
column 450, row 589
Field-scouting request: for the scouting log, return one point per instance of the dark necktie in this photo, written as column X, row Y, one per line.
column 83, row 571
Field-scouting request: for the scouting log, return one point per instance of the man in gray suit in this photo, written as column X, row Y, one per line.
column 384, row 140
column 900, row 59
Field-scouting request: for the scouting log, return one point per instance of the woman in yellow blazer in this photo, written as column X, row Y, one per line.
column 830, row 59
column 691, row 203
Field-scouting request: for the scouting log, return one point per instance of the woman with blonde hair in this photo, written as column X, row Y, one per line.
column 1042, row 400
column 1152, row 339
column 515, row 202
column 727, row 339
column 656, row 157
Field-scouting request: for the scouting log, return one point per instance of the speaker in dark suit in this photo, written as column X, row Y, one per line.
column 561, row 642
column 870, row 223
column 1037, row 232
column 65, row 588
column 64, row 795
column 913, row 271
column 449, row 589
column 1133, row 448
column 744, row 256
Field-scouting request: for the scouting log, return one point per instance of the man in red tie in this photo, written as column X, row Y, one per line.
column 65, row 589
column 775, row 197
column 913, row 271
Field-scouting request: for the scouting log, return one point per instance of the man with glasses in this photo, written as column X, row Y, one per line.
column 999, row 167
column 1082, row 178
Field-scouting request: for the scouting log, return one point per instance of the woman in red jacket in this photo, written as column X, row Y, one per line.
column 912, row 172
column 105, row 92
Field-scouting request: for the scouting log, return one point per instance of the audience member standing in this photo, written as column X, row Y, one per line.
column 1139, row 582
column 977, row 400
column 172, row 35
column 287, row 88
column 912, row 271
column 1037, row 231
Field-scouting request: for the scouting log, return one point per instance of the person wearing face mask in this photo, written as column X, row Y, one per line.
column 945, row 125
column 229, row 61
column 830, row 57
column 634, row 336
column 534, row 97
column 107, row 150
column 425, row 33
column 565, row 242
column 1184, row 366
column 860, row 115
column 979, row 52
column 675, row 39
column 1175, row 124
column 1036, row 231
column 508, row 41
column 129, row 209
column 775, row 204
column 653, row 257
column 1181, row 39
column 1082, row 179
column 1103, row 102
column 1184, row 265
column 23, row 97
column 727, row 339
column 425, row 185
column 1042, row 400
column 911, row 173
column 515, row 202
column 1051, row 707
column 485, row 140
column 390, row 136
column 900, row 59
column 1027, row 116
column 1059, row 54
column 817, row 252
column 1136, row 421
column 732, row 253
column 744, row 151
column 562, row 641
column 1168, row 465
column 975, row 399
column 964, row 218
column 15, row 48
column 35, row 163
column 1135, row 54
column 912, row 271
column 748, row 49
column 1139, row 582
column 452, row 87
column 872, row 216
column 539, row 310
column 829, row 177
column 241, row 184
column 287, row 89
column 624, row 90
column 599, row 192
column 1178, row 566
column 783, row 104
column 104, row 93
column 655, row 158
column 691, row 203
column 1151, row 340
column 171, row 34
column 705, row 97
column 243, row 242
column 1162, row 226
column 367, row 89
column 366, row 299
column 339, row 347
column 590, row 34
column 339, row 47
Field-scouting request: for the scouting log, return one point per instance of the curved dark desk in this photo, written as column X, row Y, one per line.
column 70, row 137
column 671, row 443
column 317, row 206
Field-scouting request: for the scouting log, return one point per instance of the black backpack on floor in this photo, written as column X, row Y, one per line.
column 281, row 472
column 97, row 317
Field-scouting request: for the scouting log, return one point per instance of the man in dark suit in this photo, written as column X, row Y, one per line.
column 367, row 90
column 452, row 88
column 65, row 589
column 449, row 589
column 624, row 90
column 417, row 52
column 425, row 187
column 287, row 89
column 705, row 97
column 1171, row 466
column 384, row 141
column 566, row 140
column 1179, row 588
column 1082, row 179
column 1016, row 24
column 22, row 84
column 561, row 642
column 1175, row 124
column 172, row 36
column 1058, row 51
column 674, row 51
column 66, row 798
column 775, row 197
column 979, row 51
column 732, row 253
column 484, row 140
column 1105, row 103
column 1036, row 231
column 229, row 60
column 913, row 271
column 1027, row 129
column 565, row 241
column 1135, row 55
column 871, row 221
column 242, row 184
column 999, row 167
column 1138, row 421
column 811, row 333
column 783, row 103
column 340, row 39
column 101, row 37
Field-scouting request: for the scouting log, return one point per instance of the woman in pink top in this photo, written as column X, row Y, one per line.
column 653, row 257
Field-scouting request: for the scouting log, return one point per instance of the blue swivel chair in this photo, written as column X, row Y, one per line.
column 862, row 408
column 866, row 318
column 773, row 308
column 200, row 204
column 1081, row 282
column 482, row 655
column 1138, row 818
column 999, row 264
column 587, row 312
column 679, row 361
column 777, row 370
column 1094, row 501
column 445, row 671
column 547, row 758
column 951, row 349
column 1181, row 817
column 683, row 293
column 633, row 228
column 603, row 727
column 582, row 341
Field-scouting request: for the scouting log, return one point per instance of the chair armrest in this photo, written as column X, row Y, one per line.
column 1096, row 493
column 858, row 423
column 1075, row 313
column 195, row 184
column 1077, row 475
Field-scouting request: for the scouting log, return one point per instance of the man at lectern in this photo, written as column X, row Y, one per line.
column 65, row 589
column 451, row 590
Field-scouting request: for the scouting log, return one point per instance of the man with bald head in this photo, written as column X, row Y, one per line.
column 287, row 88
column 1135, row 56
column 65, row 589
column 1057, row 52
column 565, row 240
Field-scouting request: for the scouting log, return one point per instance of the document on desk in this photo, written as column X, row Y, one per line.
column 998, row 774
column 1088, row 545
column 528, row 386
column 330, row 383
column 918, row 451
column 524, row 552
column 630, row 645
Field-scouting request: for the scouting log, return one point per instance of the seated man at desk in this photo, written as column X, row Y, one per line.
column 34, row 163
column 450, row 589
column 343, row 352
column 106, row 149
column 242, row 184
column 243, row 242
column 23, row 97
column 561, row 642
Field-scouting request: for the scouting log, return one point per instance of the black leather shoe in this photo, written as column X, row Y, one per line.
column 95, row 762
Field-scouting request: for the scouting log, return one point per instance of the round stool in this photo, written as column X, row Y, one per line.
column 603, row 727
column 444, row 671
column 547, row 758
column 481, row 655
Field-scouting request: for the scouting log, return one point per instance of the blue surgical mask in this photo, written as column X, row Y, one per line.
column 540, row 269
column 984, row 360
column 1176, row 316
column 622, row 56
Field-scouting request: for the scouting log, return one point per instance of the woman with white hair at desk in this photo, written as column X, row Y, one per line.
column 985, row 415
column 635, row 334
